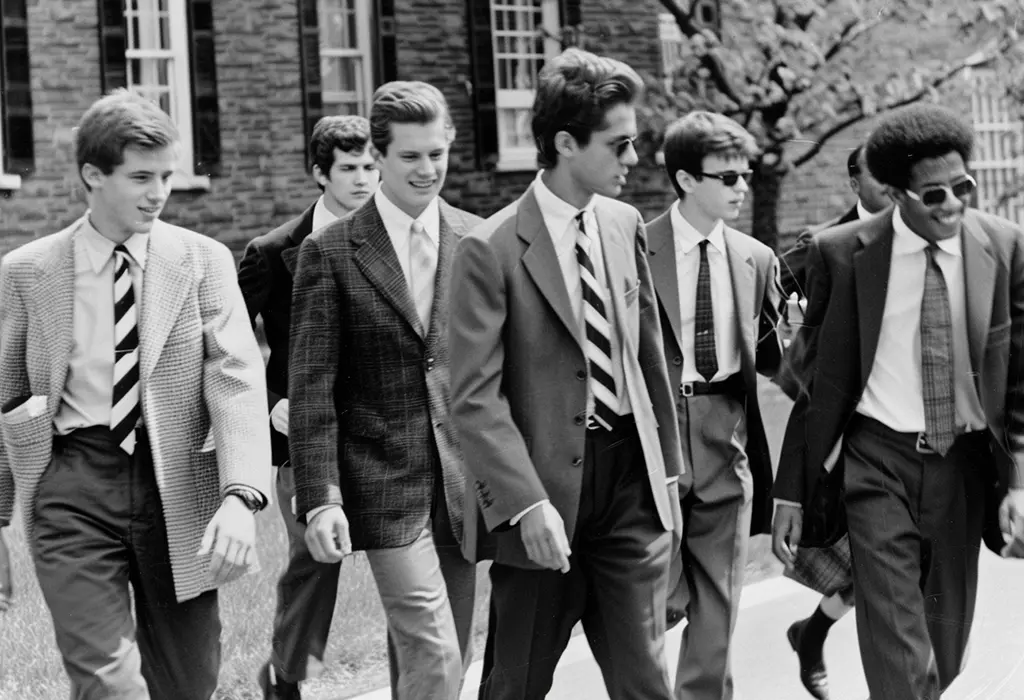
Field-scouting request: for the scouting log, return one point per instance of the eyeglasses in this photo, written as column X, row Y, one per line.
column 730, row 178
column 933, row 196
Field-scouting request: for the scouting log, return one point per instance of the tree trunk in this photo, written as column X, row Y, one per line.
column 766, row 190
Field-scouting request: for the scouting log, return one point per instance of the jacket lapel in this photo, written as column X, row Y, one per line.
column 167, row 282
column 439, row 309
column 303, row 227
column 54, row 291
column 979, row 283
column 871, row 278
column 742, row 273
column 661, row 244
column 376, row 258
column 615, row 252
column 541, row 262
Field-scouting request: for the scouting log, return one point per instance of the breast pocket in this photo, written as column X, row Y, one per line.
column 999, row 335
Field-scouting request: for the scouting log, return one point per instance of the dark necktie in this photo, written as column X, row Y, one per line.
column 597, row 345
column 937, row 359
column 705, row 357
column 125, row 409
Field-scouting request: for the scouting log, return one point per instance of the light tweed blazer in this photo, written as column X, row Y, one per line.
column 200, row 366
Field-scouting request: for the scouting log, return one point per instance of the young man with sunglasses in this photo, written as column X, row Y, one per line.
column 720, row 304
column 911, row 350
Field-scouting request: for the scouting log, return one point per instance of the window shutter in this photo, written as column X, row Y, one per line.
column 481, row 47
column 205, row 110
column 19, row 155
column 113, row 68
column 387, row 48
column 309, row 55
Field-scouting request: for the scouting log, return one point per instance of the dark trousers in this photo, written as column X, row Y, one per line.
column 915, row 525
column 99, row 528
column 617, row 586
column 306, row 594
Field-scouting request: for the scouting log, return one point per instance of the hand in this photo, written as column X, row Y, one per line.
column 677, row 516
column 786, row 529
column 327, row 536
column 279, row 416
column 6, row 590
column 231, row 538
column 543, row 534
column 1011, row 522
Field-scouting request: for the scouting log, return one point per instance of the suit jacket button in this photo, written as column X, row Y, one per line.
column 677, row 360
column 577, row 462
column 581, row 375
column 578, row 420
column 430, row 363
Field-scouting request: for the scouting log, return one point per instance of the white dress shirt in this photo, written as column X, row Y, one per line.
column 723, row 306
column 89, row 389
column 322, row 216
column 862, row 213
column 893, row 394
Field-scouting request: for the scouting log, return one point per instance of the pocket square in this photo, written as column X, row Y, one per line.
column 24, row 408
column 209, row 445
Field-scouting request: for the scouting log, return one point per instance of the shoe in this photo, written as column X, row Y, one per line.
column 812, row 670
column 275, row 688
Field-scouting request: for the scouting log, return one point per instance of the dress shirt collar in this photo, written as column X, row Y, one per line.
column 99, row 249
column 559, row 214
column 322, row 216
column 687, row 237
column 397, row 221
column 862, row 212
column 906, row 242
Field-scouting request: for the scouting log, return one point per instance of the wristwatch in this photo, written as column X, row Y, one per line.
column 253, row 500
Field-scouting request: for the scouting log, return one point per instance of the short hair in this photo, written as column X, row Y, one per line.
column 699, row 134
column 575, row 90
column 120, row 120
column 909, row 135
column 853, row 162
column 348, row 133
column 406, row 102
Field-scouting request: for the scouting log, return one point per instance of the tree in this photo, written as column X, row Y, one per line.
column 798, row 73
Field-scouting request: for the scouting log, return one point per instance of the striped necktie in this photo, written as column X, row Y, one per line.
column 597, row 345
column 125, row 409
column 422, row 268
column 937, row 379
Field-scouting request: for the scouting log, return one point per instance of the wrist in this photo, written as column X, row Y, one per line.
column 251, row 499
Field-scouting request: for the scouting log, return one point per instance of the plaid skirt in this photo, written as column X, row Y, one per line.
column 827, row 570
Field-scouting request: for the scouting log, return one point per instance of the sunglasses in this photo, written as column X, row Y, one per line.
column 933, row 196
column 730, row 178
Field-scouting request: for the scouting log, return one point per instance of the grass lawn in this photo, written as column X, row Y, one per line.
column 30, row 668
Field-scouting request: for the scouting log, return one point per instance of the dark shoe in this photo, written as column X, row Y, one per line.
column 812, row 666
column 275, row 688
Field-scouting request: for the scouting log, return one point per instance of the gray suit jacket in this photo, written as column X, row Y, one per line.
column 369, row 393
column 757, row 296
column 519, row 372
column 200, row 367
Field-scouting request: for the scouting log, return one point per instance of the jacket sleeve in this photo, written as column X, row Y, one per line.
column 13, row 373
column 1014, row 411
column 773, row 315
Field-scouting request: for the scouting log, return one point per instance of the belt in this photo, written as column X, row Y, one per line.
column 733, row 384
column 623, row 421
column 920, row 439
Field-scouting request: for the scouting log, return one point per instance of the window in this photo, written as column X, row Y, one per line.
column 670, row 38
column 998, row 161
column 7, row 182
column 157, row 60
column 524, row 35
column 16, row 143
column 346, row 69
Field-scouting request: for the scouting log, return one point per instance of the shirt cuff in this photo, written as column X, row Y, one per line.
column 316, row 511
column 519, row 516
column 671, row 480
column 784, row 502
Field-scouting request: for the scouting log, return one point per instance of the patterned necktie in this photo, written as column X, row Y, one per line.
column 705, row 356
column 937, row 359
column 125, row 409
column 422, row 268
column 598, row 347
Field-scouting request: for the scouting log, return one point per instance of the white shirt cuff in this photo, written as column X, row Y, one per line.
column 671, row 480
column 279, row 416
column 316, row 511
column 784, row 502
column 519, row 516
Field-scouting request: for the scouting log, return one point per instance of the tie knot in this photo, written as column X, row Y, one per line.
column 416, row 228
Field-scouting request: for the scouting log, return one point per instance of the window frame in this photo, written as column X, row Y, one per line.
column 520, row 158
column 365, row 52
column 8, row 181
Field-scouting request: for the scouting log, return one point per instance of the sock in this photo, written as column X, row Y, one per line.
column 813, row 638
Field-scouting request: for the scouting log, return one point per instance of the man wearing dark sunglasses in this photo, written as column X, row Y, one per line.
column 719, row 302
column 911, row 351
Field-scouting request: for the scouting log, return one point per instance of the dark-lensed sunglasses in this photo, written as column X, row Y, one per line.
column 933, row 196
column 730, row 177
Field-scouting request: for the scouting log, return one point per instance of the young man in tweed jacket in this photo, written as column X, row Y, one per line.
column 133, row 419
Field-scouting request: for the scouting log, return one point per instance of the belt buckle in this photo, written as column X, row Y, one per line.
column 922, row 445
column 686, row 389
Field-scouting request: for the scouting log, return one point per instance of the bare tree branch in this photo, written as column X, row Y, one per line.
column 973, row 61
column 853, row 30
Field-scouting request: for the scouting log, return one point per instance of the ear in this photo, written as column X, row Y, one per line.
column 92, row 176
column 686, row 181
column 319, row 176
column 375, row 154
column 855, row 185
column 897, row 195
column 565, row 144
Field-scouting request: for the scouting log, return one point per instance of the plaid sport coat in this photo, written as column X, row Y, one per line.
column 369, row 420
column 200, row 370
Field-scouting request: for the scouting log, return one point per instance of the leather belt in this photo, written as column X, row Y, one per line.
column 733, row 385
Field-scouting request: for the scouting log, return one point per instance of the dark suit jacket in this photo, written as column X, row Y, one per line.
column 369, row 420
column 793, row 262
column 847, row 277
column 754, row 270
column 519, row 373
column 265, row 276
